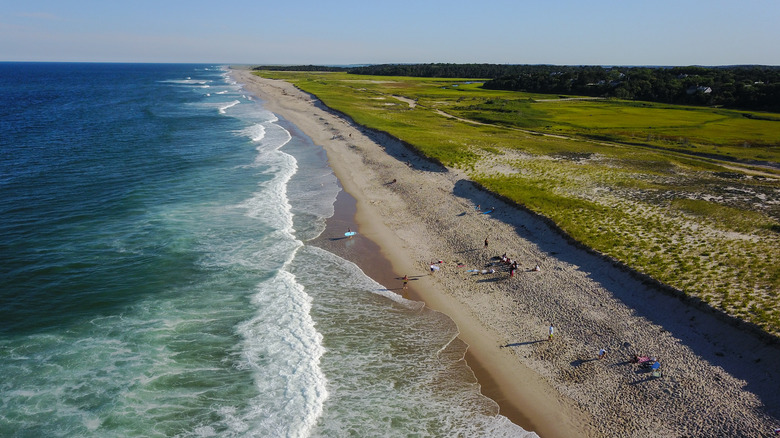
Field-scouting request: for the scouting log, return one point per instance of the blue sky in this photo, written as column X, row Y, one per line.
column 595, row 32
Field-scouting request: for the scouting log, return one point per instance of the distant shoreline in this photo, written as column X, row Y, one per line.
column 428, row 214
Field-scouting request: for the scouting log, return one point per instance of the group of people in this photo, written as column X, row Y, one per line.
column 512, row 265
column 507, row 261
column 648, row 362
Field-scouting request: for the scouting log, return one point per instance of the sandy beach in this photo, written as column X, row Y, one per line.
column 717, row 380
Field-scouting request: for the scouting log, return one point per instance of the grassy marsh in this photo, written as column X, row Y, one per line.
column 687, row 195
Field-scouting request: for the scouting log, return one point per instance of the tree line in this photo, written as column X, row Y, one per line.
column 746, row 87
column 751, row 87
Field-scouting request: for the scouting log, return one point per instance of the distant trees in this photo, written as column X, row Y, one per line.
column 748, row 87
column 439, row 70
column 300, row 68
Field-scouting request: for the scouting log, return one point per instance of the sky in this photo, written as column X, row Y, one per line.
column 344, row 32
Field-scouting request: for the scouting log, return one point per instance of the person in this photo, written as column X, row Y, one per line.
column 602, row 353
column 641, row 359
column 406, row 281
column 512, row 272
column 552, row 330
column 486, row 242
column 537, row 268
column 477, row 207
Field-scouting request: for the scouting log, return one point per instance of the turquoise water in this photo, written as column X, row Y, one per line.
column 155, row 278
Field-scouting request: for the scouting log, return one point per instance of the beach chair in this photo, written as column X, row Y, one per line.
column 655, row 369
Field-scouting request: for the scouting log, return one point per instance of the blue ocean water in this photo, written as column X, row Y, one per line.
column 155, row 278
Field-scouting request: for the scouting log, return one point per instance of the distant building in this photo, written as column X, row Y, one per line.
column 698, row 89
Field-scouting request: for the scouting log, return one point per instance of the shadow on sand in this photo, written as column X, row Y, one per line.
column 578, row 362
column 520, row 344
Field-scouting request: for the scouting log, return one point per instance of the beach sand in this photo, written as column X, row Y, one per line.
column 718, row 379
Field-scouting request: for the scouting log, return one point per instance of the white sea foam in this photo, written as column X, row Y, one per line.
column 187, row 81
column 255, row 132
column 223, row 107
column 275, row 137
column 281, row 344
column 284, row 349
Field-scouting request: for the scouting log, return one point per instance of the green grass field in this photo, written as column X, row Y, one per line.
column 688, row 195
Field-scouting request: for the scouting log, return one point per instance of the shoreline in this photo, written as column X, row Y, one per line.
column 367, row 254
column 556, row 388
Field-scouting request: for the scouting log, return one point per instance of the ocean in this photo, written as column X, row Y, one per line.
column 156, row 280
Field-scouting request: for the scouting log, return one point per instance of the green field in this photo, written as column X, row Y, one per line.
column 688, row 195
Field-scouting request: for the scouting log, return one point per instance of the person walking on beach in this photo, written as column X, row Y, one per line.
column 552, row 330
column 486, row 242
column 602, row 353
column 406, row 281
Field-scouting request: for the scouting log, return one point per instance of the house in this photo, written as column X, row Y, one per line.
column 698, row 89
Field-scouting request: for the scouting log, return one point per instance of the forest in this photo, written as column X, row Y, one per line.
column 751, row 87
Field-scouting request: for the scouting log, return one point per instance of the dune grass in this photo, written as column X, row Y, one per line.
column 686, row 195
